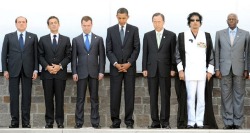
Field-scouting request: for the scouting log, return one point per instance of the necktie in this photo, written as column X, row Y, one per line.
column 158, row 39
column 232, row 37
column 122, row 34
column 54, row 42
column 21, row 41
column 87, row 42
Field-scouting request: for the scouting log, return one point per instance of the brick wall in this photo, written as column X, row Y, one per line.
column 141, row 113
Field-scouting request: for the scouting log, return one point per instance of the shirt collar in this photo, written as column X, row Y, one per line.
column 124, row 27
column 161, row 32
column 18, row 33
column 235, row 30
column 52, row 35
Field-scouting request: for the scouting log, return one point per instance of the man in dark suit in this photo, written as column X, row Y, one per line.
column 54, row 56
column 19, row 62
column 88, row 65
column 158, row 65
column 122, row 47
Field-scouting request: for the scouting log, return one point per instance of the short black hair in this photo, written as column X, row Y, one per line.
column 193, row 14
column 52, row 17
column 158, row 14
column 21, row 17
column 122, row 11
column 86, row 18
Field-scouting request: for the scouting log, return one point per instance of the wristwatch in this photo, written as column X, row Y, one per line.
column 61, row 66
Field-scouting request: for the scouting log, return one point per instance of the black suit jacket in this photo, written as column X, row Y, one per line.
column 123, row 53
column 13, row 58
column 90, row 62
column 163, row 57
column 48, row 56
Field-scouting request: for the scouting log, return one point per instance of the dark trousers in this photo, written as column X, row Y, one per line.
column 92, row 84
column 54, row 87
column 115, row 97
column 164, row 83
column 26, row 83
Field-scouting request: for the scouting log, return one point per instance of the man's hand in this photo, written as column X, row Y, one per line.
column 101, row 76
column 75, row 77
column 209, row 76
column 172, row 73
column 145, row 73
column 34, row 76
column 56, row 68
column 181, row 75
column 50, row 69
column 119, row 67
column 125, row 67
column 245, row 74
column 218, row 74
column 6, row 74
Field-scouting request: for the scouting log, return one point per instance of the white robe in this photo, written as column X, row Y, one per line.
column 195, row 49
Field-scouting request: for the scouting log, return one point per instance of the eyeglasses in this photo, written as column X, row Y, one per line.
column 192, row 20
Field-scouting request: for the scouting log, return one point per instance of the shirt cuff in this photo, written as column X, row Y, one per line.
column 35, row 71
column 180, row 67
column 210, row 69
column 114, row 64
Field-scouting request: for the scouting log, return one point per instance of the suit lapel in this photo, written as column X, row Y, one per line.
column 163, row 38
column 226, row 34
column 237, row 36
column 14, row 35
column 48, row 39
column 81, row 42
column 93, row 41
column 117, row 30
column 126, row 34
column 27, row 38
column 153, row 37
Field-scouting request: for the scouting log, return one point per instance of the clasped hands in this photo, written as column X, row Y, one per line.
column 122, row 67
column 53, row 69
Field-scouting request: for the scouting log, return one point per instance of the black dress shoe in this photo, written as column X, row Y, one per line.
column 154, row 126
column 200, row 127
column 97, row 126
column 48, row 126
column 114, row 126
column 166, row 126
column 190, row 127
column 26, row 126
column 130, row 126
column 228, row 127
column 14, row 126
column 237, row 127
column 60, row 126
column 78, row 125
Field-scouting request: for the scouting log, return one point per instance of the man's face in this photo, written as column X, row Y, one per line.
column 86, row 26
column 122, row 18
column 21, row 24
column 158, row 23
column 195, row 22
column 232, row 21
column 53, row 25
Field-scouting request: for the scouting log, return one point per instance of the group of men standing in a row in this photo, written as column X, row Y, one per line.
column 190, row 58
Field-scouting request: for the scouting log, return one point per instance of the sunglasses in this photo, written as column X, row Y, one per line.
column 192, row 20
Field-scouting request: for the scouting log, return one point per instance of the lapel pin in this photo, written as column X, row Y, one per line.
column 128, row 31
column 29, row 37
column 163, row 36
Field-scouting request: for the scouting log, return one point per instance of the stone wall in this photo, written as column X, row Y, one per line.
column 141, row 112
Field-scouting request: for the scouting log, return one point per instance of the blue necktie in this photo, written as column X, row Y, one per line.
column 21, row 41
column 54, row 43
column 122, row 34
column 87, row 42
